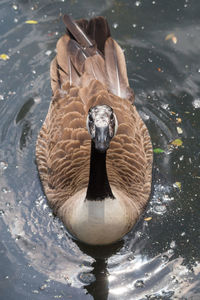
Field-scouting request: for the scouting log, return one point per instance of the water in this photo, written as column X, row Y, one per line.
column 160, row 257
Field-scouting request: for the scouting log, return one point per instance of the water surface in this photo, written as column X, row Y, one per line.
column 159, row 258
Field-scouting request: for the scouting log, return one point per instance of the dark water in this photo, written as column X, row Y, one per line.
column 160, row 257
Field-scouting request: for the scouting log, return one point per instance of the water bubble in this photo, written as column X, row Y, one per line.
column 174, row 279
column 43, row 287
column 134, row 25
column 87, row 277
column 172, row 244
column 60, row 236
column 115, row 25
column 196, row 103
column 48, row 52
column 170, row 251
column 15, row 6
column 2, row 212
column 165, row 106
column 37, row 99
column 18, row 237
column 131, row 257
column 160, row 209
column 1, row 97
column 4, row 190
column 138, row 3
column 166, row 198
column 165, row 258
column 3, row 165
column 139, row 284
column 16, row 20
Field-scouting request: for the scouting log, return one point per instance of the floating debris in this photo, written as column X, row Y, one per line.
column 178, row 120
column 177, row 184
column 171, row 36
column 4, row 56
column 139, row 284
column 177, row 143
column 31, row 22
column 148, row 219
column 158, row 150
column 179, row 130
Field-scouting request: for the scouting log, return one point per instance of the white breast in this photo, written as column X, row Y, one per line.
column 98, row 222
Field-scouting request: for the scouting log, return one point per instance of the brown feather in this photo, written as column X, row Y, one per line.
column 79, row 81
column 79, row 35
column 95, row 67
column 116, row 69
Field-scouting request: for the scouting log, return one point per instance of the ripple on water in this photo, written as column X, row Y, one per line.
column 144, row 266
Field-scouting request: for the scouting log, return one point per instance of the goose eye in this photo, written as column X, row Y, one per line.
column 90, row 118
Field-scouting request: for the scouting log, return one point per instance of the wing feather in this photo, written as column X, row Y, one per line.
column 116, row 69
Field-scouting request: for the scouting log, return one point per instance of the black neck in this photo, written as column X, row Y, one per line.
column 98, row 187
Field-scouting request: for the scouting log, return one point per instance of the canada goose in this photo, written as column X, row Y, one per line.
column 93, row 152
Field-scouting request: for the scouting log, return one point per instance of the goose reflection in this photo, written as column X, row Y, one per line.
column 98, row 288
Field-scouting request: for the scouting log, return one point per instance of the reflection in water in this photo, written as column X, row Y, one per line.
column 99, row 287
column 159, row 258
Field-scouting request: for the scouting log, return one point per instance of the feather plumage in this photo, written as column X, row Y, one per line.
column 81, row 80
column 116, row 69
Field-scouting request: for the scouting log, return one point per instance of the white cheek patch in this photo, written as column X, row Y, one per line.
column 116, row 124
column 87, row 124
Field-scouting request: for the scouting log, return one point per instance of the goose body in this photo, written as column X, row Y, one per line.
column 93, row 152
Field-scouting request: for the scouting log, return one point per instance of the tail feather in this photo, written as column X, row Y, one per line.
column 88, row 52
column 79, row 35
column 116, row 69
column 95, row 66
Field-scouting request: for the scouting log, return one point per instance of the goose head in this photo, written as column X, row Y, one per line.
column 102, row 126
